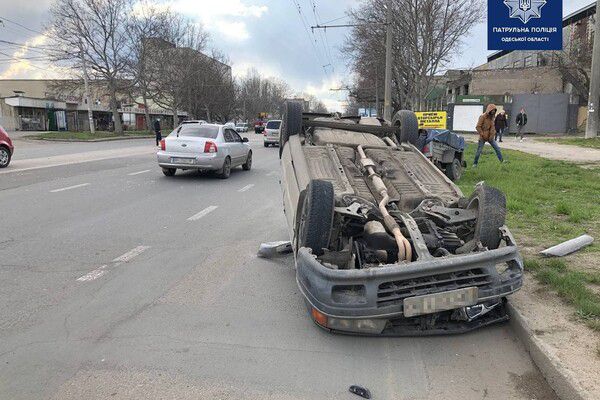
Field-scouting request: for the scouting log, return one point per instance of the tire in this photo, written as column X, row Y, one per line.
column 316, row 216
column 454, row 170
column 169, row 171
column 226, row 169
column 409, row 126
column 266, row 144
column 4, row 157
column 491, row 215
column 291, row 123
column 248, row 164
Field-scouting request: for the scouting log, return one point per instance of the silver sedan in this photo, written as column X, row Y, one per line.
column 205, row 147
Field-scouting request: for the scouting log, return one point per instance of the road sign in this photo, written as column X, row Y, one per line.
column 432, row 119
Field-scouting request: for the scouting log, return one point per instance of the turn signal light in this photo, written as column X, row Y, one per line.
column 210, row 147
column 163, row 145
column 319, row 317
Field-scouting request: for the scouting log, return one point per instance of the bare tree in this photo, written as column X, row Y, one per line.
column 257, row 94
column 427, row 35
column 94, row 30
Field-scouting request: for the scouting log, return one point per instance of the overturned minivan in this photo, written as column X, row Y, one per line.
column 384, row 243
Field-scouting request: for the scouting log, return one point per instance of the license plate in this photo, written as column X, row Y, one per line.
column 432, row 303
column 176, row 160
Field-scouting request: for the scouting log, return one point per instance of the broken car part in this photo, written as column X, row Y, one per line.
column 568, row 247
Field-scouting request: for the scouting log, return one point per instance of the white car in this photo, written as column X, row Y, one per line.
column 241, row 127
column 272, row 132
column 206, row 147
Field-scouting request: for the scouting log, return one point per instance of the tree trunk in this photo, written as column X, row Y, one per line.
column 175, row 118
column 147, row 114
column 115, row 110
column 207, row 113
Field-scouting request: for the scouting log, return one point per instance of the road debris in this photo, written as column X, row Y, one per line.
column 272, row 249
column 360, row 391
column 568, row 247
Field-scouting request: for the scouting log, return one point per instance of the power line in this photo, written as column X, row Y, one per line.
column 305, row 24
column 22, row 59
column 2, row 19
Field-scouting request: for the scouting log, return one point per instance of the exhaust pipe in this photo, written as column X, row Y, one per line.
column 404, row 248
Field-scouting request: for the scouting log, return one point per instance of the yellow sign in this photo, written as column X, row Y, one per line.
column 432, row 119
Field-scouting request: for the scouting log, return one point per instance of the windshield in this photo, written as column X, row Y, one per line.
column 273, row 124
column 241, row 124
column 196, row 130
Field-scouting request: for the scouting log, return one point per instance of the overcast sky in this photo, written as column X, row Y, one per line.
column 268, row 35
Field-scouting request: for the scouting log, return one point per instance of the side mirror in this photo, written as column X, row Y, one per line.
column 245, row 140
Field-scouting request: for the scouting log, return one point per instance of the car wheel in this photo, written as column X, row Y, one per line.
column 226, row 170
column 316, row 216
column 169, row 171
column 248, row 164
column 491, row 215
column 291, row 123
column 4, row 157
column 454, row 170
column 266, row 144
column 408, row 125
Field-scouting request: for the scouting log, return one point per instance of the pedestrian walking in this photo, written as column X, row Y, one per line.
column 500, row 124
column 487, row 132
column 521, row 122
column 157, row 131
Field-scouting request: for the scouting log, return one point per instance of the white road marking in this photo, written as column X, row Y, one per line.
column 203, row 213
column 131, row 254
column 69, row 188
column 139, row 172
column 245, row 188
column 95, row 274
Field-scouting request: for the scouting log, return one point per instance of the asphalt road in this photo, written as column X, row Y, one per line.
column 117, row 282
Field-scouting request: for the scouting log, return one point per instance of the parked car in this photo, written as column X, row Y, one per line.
column 241, row 127
column 206, row 147
column 6, row 148
column 259, row 126
column 272, row 132
column 445, row 149
column 384, row 243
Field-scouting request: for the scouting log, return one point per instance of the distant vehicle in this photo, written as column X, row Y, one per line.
column 230, row 125
column 445, row 149
column 241, row 127
column 205, row 147
column 6, row 148
column 272, row 132
column 259, row 126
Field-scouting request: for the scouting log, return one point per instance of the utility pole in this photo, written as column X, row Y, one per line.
column 377, row 90
column 86, row 86
column 387, row 104
column 594, row 100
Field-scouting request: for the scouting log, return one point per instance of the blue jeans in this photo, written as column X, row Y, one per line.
column 500, row 133
column 480, row 149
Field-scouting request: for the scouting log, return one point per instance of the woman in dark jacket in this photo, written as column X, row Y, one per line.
column 501, row 123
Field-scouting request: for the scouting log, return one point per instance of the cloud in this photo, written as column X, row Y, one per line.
column 226, row 18
column 22, row 68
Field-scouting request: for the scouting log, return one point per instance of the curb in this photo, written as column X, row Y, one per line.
column 560, row 380
column 91, row 140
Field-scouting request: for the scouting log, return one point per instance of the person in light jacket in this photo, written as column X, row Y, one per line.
column 487, row 132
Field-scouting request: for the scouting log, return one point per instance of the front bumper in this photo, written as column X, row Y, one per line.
column 375, row 297
column 209, row 161
column 271, row 140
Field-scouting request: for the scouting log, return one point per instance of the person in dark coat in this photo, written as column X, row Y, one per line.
column 521, row 122
column 487, row 132
column 501, row 123
column 157, row 131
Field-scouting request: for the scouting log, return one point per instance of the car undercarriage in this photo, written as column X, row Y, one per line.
column 385, row 243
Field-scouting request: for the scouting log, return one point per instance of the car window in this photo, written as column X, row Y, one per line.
column 273, row 124
column 237, row 137
column 228, row 136
column 196, row 130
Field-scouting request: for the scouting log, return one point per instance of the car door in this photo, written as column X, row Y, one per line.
column 236, row 146
column 243, row 148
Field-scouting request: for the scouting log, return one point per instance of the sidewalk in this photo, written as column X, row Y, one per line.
column 552, row 151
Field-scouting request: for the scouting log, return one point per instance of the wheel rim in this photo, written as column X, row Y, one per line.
column 227, row 167
column 249, row 160
column 3, row 157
